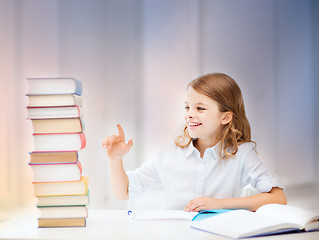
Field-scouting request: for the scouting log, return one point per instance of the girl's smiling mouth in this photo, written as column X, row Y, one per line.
column 193, row 125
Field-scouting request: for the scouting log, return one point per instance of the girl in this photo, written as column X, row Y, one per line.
column 210, row 164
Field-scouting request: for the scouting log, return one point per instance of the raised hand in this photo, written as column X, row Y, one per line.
column 115, row 145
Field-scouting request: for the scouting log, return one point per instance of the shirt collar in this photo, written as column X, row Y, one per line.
column 190, row 149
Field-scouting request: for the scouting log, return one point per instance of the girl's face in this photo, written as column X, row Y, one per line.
column 202, row 116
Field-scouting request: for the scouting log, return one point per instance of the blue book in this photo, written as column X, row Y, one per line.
column 53, row 86
column 209, row 213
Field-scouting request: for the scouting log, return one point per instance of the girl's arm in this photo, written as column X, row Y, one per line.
column 276, row 195
column 116, row 149
column 119, row 179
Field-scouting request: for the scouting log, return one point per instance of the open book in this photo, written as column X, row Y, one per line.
column 179, row 215
column 268, row 219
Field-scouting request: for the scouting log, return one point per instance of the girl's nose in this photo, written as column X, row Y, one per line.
column 190, row 114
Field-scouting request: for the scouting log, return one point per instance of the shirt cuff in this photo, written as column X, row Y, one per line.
column 266, row 184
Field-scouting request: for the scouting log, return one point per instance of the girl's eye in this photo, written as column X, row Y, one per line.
column 187, row 108
column 200, row 109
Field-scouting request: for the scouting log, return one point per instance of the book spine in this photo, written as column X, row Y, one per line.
column 78, row 87
column 78, row 101
column 78, row 163
column 80, row 111
column 82, row 124
column 86, row 182
column 83, row 140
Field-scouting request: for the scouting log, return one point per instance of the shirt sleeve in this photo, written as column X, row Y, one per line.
column 256, row 174
column 143, row 179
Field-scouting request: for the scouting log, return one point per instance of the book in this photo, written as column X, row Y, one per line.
column 62, row 222
column 59, row 142
column 68, row 200
column 179, row 215
column 62, row 212
column 53, row 157
column 268, row 219
column 63, row 100
column 62, row 125
column 61, row 188
column 166, row 215
column 54, row 86
column 54, row 112
column 56, row 172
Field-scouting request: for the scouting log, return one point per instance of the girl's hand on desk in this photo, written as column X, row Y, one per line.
column 115, row 145
column 203, row 203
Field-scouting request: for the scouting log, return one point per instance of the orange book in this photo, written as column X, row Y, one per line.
column 62, row 222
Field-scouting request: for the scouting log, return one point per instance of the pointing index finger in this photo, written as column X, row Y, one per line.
column 121, row 132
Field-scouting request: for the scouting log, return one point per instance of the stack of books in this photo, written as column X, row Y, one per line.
column 55, row 110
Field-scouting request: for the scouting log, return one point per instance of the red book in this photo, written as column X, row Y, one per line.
column 59, row 142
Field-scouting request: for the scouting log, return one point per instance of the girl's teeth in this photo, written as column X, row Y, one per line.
column 194, row 124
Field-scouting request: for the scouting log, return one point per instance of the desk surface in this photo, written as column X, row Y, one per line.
column 115, row 224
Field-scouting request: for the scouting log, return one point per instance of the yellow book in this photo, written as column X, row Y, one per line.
column 61, row 188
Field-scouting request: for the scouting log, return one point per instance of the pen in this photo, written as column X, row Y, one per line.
column 130, row 214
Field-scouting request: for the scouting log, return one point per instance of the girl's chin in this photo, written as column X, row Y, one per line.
column 194, row 136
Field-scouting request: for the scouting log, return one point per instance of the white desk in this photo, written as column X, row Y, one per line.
column 115, row 224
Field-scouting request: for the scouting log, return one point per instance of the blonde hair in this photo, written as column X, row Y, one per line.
column 226, row 92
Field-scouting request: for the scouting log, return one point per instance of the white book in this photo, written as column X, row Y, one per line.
column 54, row 86
column 268, row 219
column 54, row 112
column 166, row 215
column 69, row 200
column 62, row 212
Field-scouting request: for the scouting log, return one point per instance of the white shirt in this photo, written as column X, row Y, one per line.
column 185, row 175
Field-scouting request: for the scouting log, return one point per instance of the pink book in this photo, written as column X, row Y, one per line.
column 59, row 142
column 61, row 172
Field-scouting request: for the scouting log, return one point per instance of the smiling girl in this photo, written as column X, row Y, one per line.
column 210, row 164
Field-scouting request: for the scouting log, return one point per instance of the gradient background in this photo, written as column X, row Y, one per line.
column 135, row 59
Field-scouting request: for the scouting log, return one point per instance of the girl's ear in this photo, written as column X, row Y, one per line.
column 227, row 117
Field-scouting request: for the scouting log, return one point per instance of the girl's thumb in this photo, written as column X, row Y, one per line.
column 129, row 145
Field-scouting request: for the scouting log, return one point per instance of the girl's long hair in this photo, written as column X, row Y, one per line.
column 225, row 91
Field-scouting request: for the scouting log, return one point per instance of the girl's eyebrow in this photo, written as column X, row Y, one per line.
column 203, row 104
column 199, row 103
